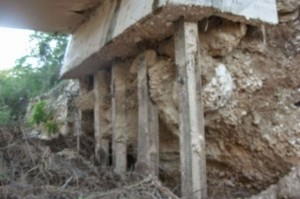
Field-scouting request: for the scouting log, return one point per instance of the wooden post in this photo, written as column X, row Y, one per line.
column 148, row 122
column 191, row 119
column 101, row 90
column 87, row 118
column 84, row 89
column 119, row 121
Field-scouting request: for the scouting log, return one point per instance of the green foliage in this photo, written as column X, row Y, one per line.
column 39, row 113
column 4, row 115
column 33, row 75
column 51, row 127
column 42, row 116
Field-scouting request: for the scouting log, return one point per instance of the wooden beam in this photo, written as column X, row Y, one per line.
column 86, row 85
column 101, row 90
column 81, row 128
column 148, row 122
column 119, row 117
column 191, row 119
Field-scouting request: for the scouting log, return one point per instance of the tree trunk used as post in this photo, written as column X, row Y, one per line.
column 119, row 117
column 148, row 122
column 101, row 90
column 191, row 118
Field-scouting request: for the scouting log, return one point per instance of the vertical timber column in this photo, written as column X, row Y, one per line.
column 84, row 89
column 148, row 122
column 119, row 117
column 101, row 90
column 191, row 119
column 87, row 118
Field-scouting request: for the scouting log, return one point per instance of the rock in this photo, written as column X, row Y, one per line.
column 61, row 100
column 162, row 83
column 270, row 193
column 218, row 92
column 291, row 16
column 219, row 36
column 285, row 6
column 287, row 187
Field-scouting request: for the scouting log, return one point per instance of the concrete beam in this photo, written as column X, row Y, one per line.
column 148, row 122
column 46, row 15
column 117, row 26
column 262, row 10
column 119, row 117
column 191, row 119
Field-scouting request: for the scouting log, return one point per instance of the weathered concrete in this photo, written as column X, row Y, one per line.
column 113, row 30
column 191, row 119
column 148, row 129
column 47, row 15
column 287, row 187
column 101, row 90
column 264, row 10
column 119, row 117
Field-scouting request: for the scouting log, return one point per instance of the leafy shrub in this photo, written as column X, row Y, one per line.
column 51, row 127
column 39, row 113
column 33, row 74
column 43, row 116
column 4, row 116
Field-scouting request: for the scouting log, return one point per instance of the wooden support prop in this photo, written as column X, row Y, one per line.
column 119, row 117
column 101, row 90
column 191, row 119
column 86, row 116
column 148, row 122
column 84, row 84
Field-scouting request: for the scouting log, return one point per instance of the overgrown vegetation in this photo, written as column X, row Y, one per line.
column 43, row 117
column 32, row 75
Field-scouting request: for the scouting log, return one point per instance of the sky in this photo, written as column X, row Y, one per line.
column 14, row 43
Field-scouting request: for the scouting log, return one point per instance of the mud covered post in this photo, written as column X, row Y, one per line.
column 148, row 123
column 101, row 91
column 119, row 116
column 191, row 119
